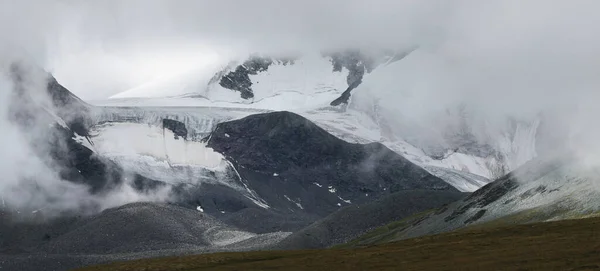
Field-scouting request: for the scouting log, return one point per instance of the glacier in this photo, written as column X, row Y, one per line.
column 451, row 141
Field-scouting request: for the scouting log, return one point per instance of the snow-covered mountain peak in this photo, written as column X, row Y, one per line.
column 310, row 79
column 363, row 97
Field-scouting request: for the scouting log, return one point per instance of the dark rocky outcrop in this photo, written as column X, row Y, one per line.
column 290, row 161
column 177, row 127
column 74, row 111
column 345, row 97
column 357, row 65
column 239, row 79
column 70, row 108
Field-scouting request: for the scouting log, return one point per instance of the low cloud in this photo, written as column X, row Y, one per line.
column 31, row 183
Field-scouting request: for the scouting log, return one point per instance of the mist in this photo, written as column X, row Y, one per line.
column 31, row 185
column 508, row 59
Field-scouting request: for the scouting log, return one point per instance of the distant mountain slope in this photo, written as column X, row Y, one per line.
column 131, row 231
column 352, row 221
column 145, row 227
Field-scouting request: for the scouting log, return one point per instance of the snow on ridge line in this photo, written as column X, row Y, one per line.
column 309, row 75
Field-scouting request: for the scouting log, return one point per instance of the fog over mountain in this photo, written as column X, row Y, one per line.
column 263, row 119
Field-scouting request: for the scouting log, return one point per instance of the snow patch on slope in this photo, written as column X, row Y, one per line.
column 155, row 153
column 219, row 237
column 293, row 201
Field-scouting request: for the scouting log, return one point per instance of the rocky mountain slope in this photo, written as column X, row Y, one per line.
column 297, row 163
column 352, row 221
column 546, row 189
column 131, row 231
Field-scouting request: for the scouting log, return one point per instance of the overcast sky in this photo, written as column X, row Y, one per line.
column 99, row 48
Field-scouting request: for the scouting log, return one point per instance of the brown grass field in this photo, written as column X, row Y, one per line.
column 562, row 245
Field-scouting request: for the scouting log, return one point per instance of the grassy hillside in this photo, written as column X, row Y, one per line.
column 355, row 220
column 387, row 233
column 562, row 245
column 395, row 231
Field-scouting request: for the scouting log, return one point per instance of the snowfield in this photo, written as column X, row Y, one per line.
column 136, row 140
